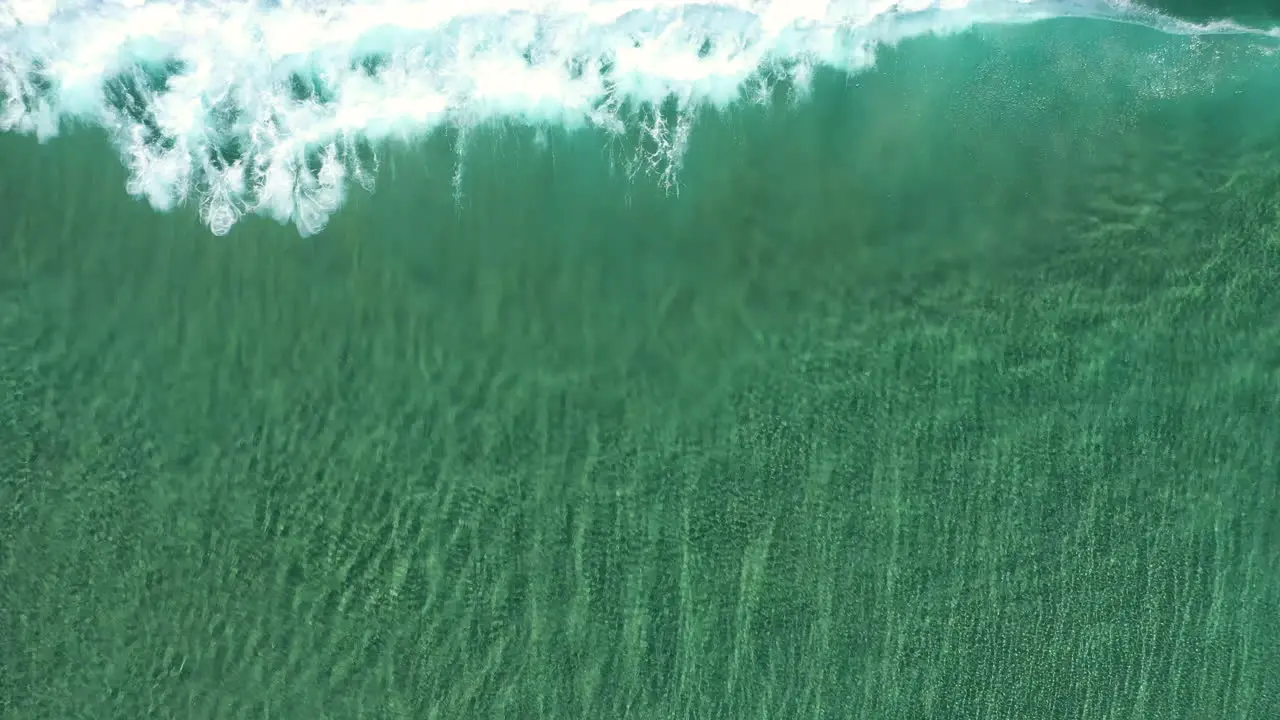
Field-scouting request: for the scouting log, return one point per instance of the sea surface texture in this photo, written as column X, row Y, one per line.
column 639, row 360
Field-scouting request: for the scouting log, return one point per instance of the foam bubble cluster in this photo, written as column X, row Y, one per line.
column 276, row 107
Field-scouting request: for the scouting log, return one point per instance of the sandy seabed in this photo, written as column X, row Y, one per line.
column 950, row 392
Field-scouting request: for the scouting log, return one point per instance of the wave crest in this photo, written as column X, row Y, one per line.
column 274, row 108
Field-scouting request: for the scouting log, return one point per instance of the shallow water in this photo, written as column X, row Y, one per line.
column 947, row 390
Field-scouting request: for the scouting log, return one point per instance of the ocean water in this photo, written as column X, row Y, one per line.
column 639, row 359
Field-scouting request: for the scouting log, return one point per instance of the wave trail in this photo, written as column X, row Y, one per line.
column 276, row 107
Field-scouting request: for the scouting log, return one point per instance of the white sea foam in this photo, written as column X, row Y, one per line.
column 271, row 106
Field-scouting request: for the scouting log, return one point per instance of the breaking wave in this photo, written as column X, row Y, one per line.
column 279, row 108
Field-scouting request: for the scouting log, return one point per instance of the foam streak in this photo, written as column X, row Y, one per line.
column 265, row 107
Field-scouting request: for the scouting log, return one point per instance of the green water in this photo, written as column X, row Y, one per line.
column 951, row 392
column 1265, row 11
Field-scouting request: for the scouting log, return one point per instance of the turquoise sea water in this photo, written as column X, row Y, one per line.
column 919, row 375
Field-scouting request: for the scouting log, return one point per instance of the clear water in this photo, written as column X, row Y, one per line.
column 639, row 360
